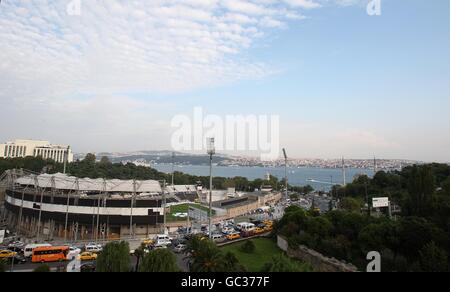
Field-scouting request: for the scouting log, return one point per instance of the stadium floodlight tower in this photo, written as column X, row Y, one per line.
column 285, row 172
column 173, row 170
column 211, row 150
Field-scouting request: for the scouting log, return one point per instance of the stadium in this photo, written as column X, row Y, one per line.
column 50, row 206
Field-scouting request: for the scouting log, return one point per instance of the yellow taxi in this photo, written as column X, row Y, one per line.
column 88, row 256
column 148, row 242
column 233, row 236
column 268, row 222
column 268, row 228
column 4, row 254
column 259, row 230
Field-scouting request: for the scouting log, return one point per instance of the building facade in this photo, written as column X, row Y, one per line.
column 35, row 148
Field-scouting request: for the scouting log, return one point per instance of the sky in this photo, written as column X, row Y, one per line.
column 344, row 83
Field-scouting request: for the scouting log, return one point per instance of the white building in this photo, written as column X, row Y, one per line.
column 24, row 148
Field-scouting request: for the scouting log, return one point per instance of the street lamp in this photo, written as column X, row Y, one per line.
column 285, row 172
column 211, row 150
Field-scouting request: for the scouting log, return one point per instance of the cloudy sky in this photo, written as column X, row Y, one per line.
column 342, row 82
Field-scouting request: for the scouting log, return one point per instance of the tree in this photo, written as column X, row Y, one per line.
column 139, row 253
column 248, row 247
column 90, row 158
column 205, row 256
column 421, row 188
column 42, row 269
column 351, row 204
column 2, row 266
column 282, row 264
column 433, row 258
column 161, row 260
column 105, row 160
column 232, row 263
column 114, row 258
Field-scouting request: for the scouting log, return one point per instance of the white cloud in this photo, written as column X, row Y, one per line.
column 119, row 47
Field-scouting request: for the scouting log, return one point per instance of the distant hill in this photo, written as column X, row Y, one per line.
column 160, row 157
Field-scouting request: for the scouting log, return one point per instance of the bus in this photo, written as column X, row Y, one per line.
column 50, row 254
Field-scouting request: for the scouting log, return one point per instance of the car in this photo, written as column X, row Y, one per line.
column 217, row 236
column 16, row 249
column 268, row 228
column 4, row 254
column 159, row 246
column 259, row 230
column 268, row 222
column 228, row 229
column 233, row 236
column 88, row 268
column 73, row 252
column 180, row 248
column 163, row 239
column 93, row 247
column 15, row 244
column 88, row 256
column 148, row 242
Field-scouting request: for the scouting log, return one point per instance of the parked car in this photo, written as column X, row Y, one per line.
column 93, row 247
column 88, row 256
column 16, row 244
column 4, row 254
column 88, row 268
column 259, row 230
column 217, row 236
column 73, row 252
column 180, row 248
column 148, row 242
column 233, row 236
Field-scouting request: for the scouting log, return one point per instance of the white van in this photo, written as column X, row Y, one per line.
column 163, row 239
column 227, row 230
column 28, row 250
column 246, row 227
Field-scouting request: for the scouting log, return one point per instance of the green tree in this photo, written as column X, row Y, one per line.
column 105, row 161
column 90, row 158
column 161, row 260
column 205, row 256
column 232, row 263
column 351, row 204
column 421, row 188
column 114, row 258
column 42, row 269
column 433, row 258
column 283, row 264
column 139, row 253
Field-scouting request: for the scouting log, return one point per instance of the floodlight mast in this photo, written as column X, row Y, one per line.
column 285, row 172
column 211, row 150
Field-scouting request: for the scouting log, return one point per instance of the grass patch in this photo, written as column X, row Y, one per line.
column 265, row 249
column 184, row 209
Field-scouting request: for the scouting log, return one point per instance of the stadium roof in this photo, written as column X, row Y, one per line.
column 63, row 182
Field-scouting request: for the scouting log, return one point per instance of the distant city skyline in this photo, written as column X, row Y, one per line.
column 111, row 78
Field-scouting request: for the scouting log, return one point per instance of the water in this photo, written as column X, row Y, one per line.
column 297, row 176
